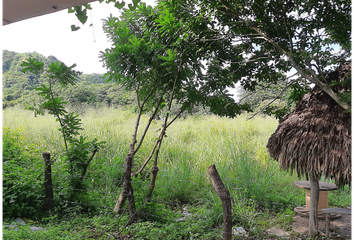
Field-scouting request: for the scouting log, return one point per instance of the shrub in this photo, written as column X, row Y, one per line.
column 22, row 187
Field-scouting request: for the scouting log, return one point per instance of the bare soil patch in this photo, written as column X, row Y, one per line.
column 340, row 228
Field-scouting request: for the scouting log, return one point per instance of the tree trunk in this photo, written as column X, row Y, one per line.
column 127, row 191
column 154, row 169
column 313, row 219
column 48, row 185
column 225, row 198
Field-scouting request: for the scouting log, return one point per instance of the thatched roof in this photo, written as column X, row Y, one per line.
column 316, row 136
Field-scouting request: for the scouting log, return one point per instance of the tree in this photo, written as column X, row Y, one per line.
column 79, row 151
column 273, row 99
column 151, row 54
column 253, row 42
column 270, row 39
column 7, row 59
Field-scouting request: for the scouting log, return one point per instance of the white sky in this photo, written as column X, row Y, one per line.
column 51, row 35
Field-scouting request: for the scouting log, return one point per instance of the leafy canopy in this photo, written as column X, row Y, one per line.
column 155, row 51
column 270, row 40
column 252, row 42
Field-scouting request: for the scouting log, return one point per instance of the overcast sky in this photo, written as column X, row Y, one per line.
column 51, row 35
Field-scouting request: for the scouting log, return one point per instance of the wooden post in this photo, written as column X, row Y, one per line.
column 313, row 218
column 225, row 198
column 327, row 224
column 48, row 185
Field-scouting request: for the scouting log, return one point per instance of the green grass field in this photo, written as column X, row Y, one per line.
column 263, row 195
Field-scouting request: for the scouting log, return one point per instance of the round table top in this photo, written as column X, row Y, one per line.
column 324, row 186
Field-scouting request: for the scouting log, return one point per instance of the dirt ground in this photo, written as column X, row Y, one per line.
column 339, row 228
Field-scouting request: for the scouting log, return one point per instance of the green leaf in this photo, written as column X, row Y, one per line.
column 65, row 75
column 119, row 5
column 81, row 14
column 32, row 65
column 131, row 7
column 135, row 2
column 71, row 10
column 74, row 28
column 88, row 6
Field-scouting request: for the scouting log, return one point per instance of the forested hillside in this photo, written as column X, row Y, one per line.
column 91, row 89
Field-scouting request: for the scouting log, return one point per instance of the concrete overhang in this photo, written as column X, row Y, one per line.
column 17, row 10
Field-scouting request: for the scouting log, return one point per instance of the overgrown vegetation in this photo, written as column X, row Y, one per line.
column 90, row 90
column 79, row 151
column 263, row 195
column 185, row 53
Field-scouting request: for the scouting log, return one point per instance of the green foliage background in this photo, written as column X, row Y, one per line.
column 91, row 89
column 22, row 189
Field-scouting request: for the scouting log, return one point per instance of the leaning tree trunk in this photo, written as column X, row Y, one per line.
column 127, row 191
column 225, row 198
column 314, row 196
column 154, row 171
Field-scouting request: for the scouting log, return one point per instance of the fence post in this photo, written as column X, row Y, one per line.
column 225, row 198
column 313, row 218
column 48, row 185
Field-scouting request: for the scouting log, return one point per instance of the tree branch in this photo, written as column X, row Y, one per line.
column 178, row 114
column 162, row 133
column 262, row 89
column 275, row 98
column 149, row 123
column 57, row 115
column 132, row 145
column 314, row 79
column 147, row 160
column 287, row 30
column 86, row 165
column 254, row 92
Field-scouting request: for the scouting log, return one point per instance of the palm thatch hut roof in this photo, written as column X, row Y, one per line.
column 315, row 138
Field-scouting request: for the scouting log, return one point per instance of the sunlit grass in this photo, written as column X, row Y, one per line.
column 263, row 195
column 236, row 146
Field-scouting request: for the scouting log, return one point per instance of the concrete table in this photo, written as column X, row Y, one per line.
column 323, row 197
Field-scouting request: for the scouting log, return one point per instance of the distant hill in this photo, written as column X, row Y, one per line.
column 91, row 89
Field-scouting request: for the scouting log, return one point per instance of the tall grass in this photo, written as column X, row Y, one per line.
column 235, row 146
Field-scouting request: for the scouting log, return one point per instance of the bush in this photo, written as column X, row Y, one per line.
column 22, row 186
